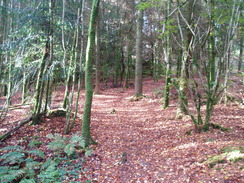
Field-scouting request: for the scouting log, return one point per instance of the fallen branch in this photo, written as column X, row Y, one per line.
column 6, row 135
column 13, row 107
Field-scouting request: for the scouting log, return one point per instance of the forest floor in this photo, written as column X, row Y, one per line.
column 139, row 141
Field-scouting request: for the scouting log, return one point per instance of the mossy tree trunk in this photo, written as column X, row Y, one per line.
column 88, row 75
column 187, row 56
column 42, row 87
column 167, row 53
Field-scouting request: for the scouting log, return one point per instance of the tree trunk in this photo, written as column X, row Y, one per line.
column 240, row 55
column 2, row 39
column 168, row 64
column 88, row 75
column 80, row 64
column 128, row 42
column 138, row 71
column 69, row 125
column 39, row 86
column 183, row 81
column 9, row 60
column 98, row 64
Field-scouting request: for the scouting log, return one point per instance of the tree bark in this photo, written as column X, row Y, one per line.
column 88, row 75
column 138, row 71
column 240, row 62
column 183, row 80
column 167, row 53
column 98, row 64
column 80, row 64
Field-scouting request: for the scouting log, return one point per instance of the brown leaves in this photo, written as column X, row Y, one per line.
column 141, row 142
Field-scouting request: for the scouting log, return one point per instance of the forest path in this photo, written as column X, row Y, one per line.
column 138, row 141
column 132, row 136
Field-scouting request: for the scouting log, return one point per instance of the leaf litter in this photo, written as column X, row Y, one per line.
column 139, row 141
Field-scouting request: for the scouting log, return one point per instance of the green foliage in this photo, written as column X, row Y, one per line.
column 13, row 157
column 34, row 143
column 50, row 174
column 27, row 181
column 67, row 145
column 58, row 143
column 18, row 163
column 37, row 153
column 149, row 4
column 28, row 166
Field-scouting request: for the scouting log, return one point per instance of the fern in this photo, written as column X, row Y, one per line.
column 68, row 146
column 12, row 175
column 24, row 164
column 34, row 143
column 33, row 165
column 69, row 149
column 79, row 140
column 56, row 145
column 12, row 148
column 28, row 181
column 13, row 157
column 3, row 170
column 49, row 162
column 7, row 178
column 50, row 174
column 88, row 152
column 37, row 153
column 19, row 165
column 56, row 136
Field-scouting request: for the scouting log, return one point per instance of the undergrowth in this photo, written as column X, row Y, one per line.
column 31, row 165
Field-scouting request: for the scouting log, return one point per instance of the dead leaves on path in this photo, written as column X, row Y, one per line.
column 141, row 142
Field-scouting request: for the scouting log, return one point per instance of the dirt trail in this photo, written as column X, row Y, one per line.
column 140, row 142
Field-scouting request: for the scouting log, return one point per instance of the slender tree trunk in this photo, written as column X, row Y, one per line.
column 24, row 87
column 128, row 44
column 183, row 81
column 10, row 60
column 98, row 64
column 51, row 38
column 212, row 69
column 39, row 86
column 80, row 63
column 127, row 61
column 69, row 125
column 2, row 39
column 63, row 35
column 240, row 62
column 167, row 61
column 86, row 133
column 138, row 71
column 64, row 59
